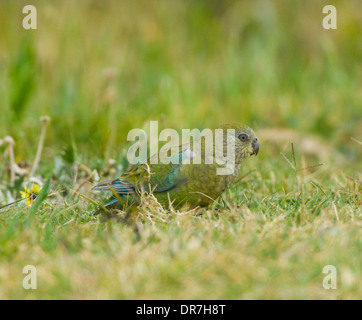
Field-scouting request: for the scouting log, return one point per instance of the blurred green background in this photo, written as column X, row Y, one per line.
column 101, row 68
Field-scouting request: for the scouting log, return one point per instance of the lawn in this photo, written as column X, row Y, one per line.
column 97, row 69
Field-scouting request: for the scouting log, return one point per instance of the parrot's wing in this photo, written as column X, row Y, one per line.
column 158, row 176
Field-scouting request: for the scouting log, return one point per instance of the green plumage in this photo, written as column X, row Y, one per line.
column 184, row 183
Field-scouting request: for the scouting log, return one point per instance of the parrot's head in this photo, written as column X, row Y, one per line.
column 246, row 142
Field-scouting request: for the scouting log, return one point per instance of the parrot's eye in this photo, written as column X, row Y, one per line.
column 243, row 137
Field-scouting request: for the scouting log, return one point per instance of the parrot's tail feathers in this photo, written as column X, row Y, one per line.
column 120, row 187
column 103, row 185
column 111, row 202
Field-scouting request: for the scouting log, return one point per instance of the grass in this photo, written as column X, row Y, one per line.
column 100, row 69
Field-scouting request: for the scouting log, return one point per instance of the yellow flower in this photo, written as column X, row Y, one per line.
column 30, row 195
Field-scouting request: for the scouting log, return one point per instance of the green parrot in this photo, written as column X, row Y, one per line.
column 179, row 179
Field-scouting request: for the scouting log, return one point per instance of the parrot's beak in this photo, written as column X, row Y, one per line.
column 255, row 145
